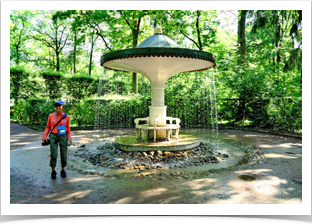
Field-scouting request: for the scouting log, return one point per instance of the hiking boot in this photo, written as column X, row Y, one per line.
column 53, row 175
column 63, row 173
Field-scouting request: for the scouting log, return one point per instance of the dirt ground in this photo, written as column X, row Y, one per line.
column 278, row 176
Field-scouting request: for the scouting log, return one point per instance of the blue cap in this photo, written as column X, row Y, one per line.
column 60, row 102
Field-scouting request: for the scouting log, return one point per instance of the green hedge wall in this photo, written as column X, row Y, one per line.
column 190, row 107
column 33, row 111
column 54, row 85
column 110, row 113
column 277, row 114
column 53, row 81
column 16, row 77
column 79, row 86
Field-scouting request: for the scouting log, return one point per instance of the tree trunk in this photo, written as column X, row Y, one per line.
column 90, row 63
column 134, row 82
column 242, row 37
column 17, row 56
column 135, row 34
column 198, row 31
column 57, row 61
column 277, row 42
column 75, row 49
column 91, row 53
column 274, row 65
column 56, row 52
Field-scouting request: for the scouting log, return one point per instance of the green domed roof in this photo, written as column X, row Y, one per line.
column 158, row 40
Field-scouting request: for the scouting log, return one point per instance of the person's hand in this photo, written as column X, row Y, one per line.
column 70, row 142
column 44, row 139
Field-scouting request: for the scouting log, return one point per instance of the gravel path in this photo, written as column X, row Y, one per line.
column 278, row 176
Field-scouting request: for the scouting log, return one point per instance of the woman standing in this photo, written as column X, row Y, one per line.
column 60, row 135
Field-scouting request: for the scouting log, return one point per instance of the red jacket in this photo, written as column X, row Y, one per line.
column 52, row 122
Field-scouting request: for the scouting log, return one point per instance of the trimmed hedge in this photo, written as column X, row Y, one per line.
column 115, row 113
column 80, row 86
column 17, row 79
column 278, row 114
column 53, row 84
column 182, row 101
column 33, row 111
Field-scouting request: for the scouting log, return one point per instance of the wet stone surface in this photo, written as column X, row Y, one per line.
column 108, row 155
column 147, row 164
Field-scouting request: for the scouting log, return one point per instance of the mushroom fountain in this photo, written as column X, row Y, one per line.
column 158, row 58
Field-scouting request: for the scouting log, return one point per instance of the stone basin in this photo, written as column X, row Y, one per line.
column 130, row 143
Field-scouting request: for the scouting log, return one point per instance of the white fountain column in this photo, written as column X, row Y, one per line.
column 158, row 109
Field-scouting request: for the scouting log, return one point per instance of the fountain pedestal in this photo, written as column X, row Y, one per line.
column 130, row 143
column 160, row 113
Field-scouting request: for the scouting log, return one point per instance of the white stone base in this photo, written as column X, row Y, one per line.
column 160, row 134
column 160, row 113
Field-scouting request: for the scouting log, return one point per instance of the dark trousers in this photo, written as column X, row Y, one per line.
column 56, row 140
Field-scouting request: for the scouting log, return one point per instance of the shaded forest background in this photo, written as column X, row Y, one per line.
column 257, row 80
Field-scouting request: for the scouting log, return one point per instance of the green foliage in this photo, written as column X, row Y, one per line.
column 80, row 86
column 266, row 90
column 16, row 77
column 52, row 31
column 285, row 114
column 33, row 111
column 19, row 83
column 20, row 27
column 119, row 87
column 53, row 84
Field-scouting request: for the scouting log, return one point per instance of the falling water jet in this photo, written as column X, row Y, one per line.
column 100, row 121
column 214, row 113
column 211, row 103
column 214, row 106
column 215, row 100
column 97, row 121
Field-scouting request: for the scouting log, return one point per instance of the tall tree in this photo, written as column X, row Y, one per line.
column 53, row 31
column 280, row 25
column 198, row 26
column 94, row 37
column 78, row 30
column 242, row 37
column 97, row 20
column 19, row 28
column 133, row 19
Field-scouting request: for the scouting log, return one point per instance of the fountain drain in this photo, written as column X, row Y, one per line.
column 246, row 177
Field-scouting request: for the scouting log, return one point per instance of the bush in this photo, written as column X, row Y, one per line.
column 80, row 86
column 110, row 112
column 53, row 84
column 18, row 77
column 33, row 111
column 285, row 114
column 118, row 87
